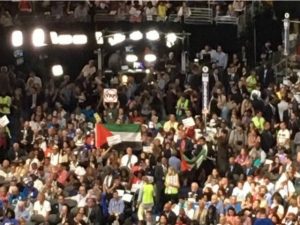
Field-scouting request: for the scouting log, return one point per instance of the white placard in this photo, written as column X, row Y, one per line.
column 147, row 149
column 120, row 192
column 110, row 95
column 188, row 122
column 4, row 121
column 198, row 134
column 127, row 197
column 113, row 140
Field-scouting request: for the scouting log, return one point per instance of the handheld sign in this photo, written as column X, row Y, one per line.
column 110, row 95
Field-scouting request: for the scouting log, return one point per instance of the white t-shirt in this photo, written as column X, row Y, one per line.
column 239, row 193
column 42, row 209
column 54, row 159
column 88, row 71
column 125, row 158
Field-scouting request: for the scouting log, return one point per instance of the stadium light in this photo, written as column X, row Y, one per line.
column 38, row 37
column 171, row 38
column 124, row 79
column 99, row 37
column 79, row 39
column 17, row 38
column 152, row 35
column 131, row 58
column 65, row 39
column 54, row 37
column 136, row 35
column 57, row 70
column 116, row 39
column 150, row 58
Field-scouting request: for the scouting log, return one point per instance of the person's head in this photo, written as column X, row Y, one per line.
column 171, row 171
column 194, row 187
column 61, row 199
column 231, row 211
column 282, row 126
column 91, row 202
column 115, row 195
column 41, row 197
column 82, row 190
column 262, row 213
column 129, row 151
column 163, row 220
column 167, row 207
column 219, row 48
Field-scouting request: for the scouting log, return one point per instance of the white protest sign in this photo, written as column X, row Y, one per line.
column 4, row 121
column 110, row 95
column 113, row 140
column 188, row 122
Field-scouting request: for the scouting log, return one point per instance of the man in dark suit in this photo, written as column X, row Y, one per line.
column 287, row 114
column 266, row 76
column 170, row 215
column 16, row 153
column 249, row 170
column 94, row 213
column 159, row 175
column 234, row 171
column 27, row 136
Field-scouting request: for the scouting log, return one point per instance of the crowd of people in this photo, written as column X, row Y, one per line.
column 135, row 11
column 236, row 164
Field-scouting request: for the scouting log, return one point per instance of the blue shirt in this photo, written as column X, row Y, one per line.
column 265, row 221
column 31, row 192
column 116, row 206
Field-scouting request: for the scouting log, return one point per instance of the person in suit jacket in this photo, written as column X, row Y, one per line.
column 266, row 76
column 94, row 212
column 160, row 171
column 16, row 153
column 234, row 170
column 249, row 170
column 169, row 214
column 27, row 136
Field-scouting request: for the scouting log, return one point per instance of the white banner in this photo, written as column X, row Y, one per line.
column 4, row 121
column 113, row 140
column 110, row 95
column 188, row 122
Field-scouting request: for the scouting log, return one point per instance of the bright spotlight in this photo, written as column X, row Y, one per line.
column 131, row 58
column 116, row 39
column 147, row 71
column 17, row 38
column 152, row 35
column 124, row 79
column 54, row 38
column 99, row 37
column 171, row 39
column 65, row 39
column 79, row 39
column 57, row 70
column 38, row 37
column 136, row 35
column 150, row 58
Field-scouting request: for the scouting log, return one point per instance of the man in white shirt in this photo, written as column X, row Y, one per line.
column 220, row 58
column 41, row 209
column 80, row 198
column 282, row 106
column 129, row 159
column 283, row 136
column 88, row 70
column 34, row 80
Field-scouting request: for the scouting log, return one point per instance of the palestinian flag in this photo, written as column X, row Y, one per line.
column 195, row 162
column 116, row 134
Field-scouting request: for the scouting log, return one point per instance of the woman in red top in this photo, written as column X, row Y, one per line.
column 25, row 6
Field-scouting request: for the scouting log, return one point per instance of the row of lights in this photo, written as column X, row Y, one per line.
column 152, row 35
column 38, row 38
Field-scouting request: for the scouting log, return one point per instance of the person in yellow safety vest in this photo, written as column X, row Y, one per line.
column 251, row 81
column 5, row 104
column 258, row 121
column 182, row 106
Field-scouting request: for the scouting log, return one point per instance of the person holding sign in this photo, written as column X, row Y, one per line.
column 111, row 112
